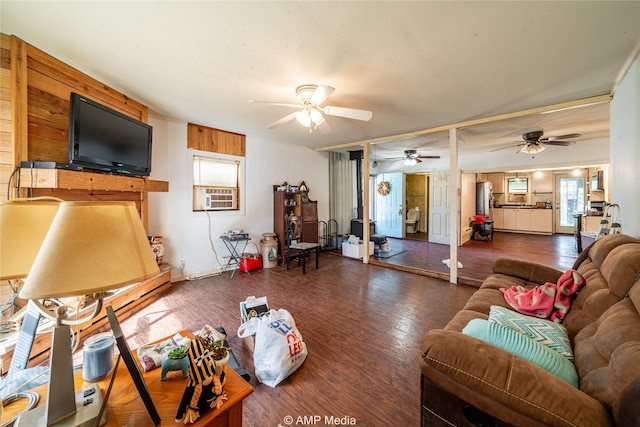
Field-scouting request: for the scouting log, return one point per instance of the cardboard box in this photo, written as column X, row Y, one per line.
column 252, row 307
column 356, row 251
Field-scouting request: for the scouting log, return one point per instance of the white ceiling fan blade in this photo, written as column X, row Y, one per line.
column 321, row 93
column 282, row 104
column 283, row 120
column 350, row 113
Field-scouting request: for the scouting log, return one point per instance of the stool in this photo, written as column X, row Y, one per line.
column 303, row 250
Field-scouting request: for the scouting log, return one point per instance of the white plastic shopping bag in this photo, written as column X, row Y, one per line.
column 279, row 348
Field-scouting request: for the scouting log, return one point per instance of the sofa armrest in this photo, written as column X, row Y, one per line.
column 529, row 271
column 504, row 385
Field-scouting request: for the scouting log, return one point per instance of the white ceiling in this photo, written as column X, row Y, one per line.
column 415, row 65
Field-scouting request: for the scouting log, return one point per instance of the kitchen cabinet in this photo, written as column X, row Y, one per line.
column 541, row 220
column 591, row 224
column 542, row 182
column 498, row 218
column 497, row 181
column 524, row 220
column 516, row 219
column 509, row 219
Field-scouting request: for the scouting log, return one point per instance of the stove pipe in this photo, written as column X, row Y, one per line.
column 358, row 156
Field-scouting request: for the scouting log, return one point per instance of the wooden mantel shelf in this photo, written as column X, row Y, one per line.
column 81, row 180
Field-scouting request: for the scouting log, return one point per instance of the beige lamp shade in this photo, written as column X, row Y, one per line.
column 91, row 247
column 23, row 226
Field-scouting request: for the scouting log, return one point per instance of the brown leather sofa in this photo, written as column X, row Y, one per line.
column 468, row 382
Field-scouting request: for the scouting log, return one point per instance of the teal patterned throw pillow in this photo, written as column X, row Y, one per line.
column 546, row 332
column 521, row 345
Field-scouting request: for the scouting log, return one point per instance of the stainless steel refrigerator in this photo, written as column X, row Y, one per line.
column 484, row 199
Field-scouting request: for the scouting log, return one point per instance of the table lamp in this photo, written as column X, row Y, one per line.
column 90, row 249
column 23, row 225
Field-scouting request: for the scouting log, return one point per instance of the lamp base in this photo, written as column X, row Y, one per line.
column 88, row 405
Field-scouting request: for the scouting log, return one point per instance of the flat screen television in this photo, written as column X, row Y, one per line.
column 103, row 139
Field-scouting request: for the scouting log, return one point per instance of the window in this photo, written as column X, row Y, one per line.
column 215, row 184
column 517, row 185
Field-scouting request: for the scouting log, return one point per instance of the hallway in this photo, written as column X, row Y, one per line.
column 477, row 257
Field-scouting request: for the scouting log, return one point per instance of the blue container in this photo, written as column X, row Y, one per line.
column 97, row 355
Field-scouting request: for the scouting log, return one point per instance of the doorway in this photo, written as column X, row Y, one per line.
column 570, row 198
column 389, row 207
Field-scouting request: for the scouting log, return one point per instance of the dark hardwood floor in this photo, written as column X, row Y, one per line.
column 418, row 256
column 362, row 325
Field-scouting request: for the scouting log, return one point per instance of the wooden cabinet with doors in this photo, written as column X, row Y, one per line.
column 542, row 221
column 497, row 182
column 294, row 219
column 524, row 220
column 310, row 221
column 516, row 219
column 542, row 182
column 498, row 218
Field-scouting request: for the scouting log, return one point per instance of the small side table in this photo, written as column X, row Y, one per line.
column 232, row 247
column 303, row 250
column 482, row 231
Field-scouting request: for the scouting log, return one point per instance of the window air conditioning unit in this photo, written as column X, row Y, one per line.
column 215, row 198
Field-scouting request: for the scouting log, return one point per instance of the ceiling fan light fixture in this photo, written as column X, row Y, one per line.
column 409, row 161
column 304, row 118
column 533, row 148
column 315, row 115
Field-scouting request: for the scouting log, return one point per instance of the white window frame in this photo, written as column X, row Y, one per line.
column 240, row 160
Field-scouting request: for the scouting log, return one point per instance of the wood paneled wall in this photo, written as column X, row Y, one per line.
column 215, row 140
column 36, row 89
column 6, row 113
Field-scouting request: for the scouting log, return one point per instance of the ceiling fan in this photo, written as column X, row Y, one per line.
column 534, row 143
column 411, row 157
column 311, row 113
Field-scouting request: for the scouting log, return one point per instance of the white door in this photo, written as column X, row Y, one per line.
column 389, row 207
column 570, row 198
column 439, row 214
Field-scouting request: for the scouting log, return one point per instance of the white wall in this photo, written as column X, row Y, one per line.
column 625, row 150
column 185, row 233
column 467, row 205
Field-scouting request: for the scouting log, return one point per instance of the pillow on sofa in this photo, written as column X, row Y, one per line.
column 521, row 345
column 551, row 334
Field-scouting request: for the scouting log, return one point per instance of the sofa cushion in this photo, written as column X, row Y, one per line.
column 548, row 333
column 607, row 352
column 611, row 270
column 521, row 345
